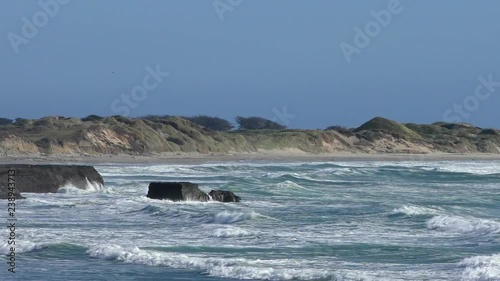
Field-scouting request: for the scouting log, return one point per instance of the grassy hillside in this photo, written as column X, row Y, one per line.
column 144, row 136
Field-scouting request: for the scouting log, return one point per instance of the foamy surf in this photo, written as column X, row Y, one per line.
column 227, row 217
column 411, row 210
column 462, row 225
column 389, row 222
column 21, row 246
column 289, row 185
column 90, row 187
column 481, row 268
column 230, row 232
column 239, row 268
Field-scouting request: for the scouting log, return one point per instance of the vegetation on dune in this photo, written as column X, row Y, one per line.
column 342, row 130
column 203, row 134
column 22, row 122
column 386, row 126
column 211, row 123
column 5, row 121
column 92, row 117
column 257, row 123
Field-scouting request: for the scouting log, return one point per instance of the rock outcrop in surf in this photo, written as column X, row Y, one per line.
column 49, row 178
column 224, row 196
column 176, row 191
column 187, row 191
column 6, row 194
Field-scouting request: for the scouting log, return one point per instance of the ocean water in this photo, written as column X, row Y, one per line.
column 296, row 221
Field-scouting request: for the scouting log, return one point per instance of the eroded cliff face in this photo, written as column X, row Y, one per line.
column 120, row 135
column 11, row 144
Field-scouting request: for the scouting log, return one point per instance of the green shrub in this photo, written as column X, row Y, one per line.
column 342, row 130
column 21, row 122
column 491, row 132
column 176, row 141
column 92, row 118
column 5, row 121
column 257, row 123
column 211, row 123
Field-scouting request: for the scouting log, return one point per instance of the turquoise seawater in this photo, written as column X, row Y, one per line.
column 296, row 221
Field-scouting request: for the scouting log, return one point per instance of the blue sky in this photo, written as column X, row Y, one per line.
column 253, row 58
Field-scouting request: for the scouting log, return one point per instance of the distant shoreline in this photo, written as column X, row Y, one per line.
column 177, row 139
column 271, row 156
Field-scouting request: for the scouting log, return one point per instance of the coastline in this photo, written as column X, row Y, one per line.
column 267, row 156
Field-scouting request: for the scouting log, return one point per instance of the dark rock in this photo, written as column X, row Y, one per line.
column 4, row 193
column 49, row 178
column 176, row 191
column 224, row 196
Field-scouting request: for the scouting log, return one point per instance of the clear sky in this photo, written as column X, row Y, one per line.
column 253, row 58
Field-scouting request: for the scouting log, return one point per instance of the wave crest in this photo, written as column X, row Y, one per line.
column 226, row 217
column 289, row 185
column 23, row 247
column 238, row 268
column 481, row 268
column 463, row 225
column 89, row 188
column 229, row 232
column 410, row 210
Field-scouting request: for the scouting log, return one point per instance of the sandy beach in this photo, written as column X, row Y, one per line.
column 276, row 156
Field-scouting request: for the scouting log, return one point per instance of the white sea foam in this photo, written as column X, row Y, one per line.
column 227, row 217
column 89, row 188
column 411, row 210
column 481, row 268
column 463, row 225
column 239, row 268
column 93, row 186
column 71, row 189
column 477, row 168
column 230, row 231
column 22, row 246
column 290, row 185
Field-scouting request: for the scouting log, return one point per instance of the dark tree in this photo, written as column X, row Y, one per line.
column 92, row 118
column 257, row 123
column 211, row 123
column 155, row 118
column 21, row 122
column 343, row 130
column 5, row 121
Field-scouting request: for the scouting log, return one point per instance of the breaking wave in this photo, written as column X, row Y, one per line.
column 240, row 268
column 89, row 188
column 481, row 268
column 226, row 217
column 410, row 210
column 463, row 225
column 230, row 231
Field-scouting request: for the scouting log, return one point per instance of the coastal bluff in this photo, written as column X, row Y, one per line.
column 146, row 136
column 49, row 178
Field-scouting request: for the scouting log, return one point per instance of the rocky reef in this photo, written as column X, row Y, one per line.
column 224, row 196
column 5, row 193
column 176, row 191
column 49, row 178
column 186, row 191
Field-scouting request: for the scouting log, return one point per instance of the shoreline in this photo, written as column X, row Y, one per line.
column 273, row 156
